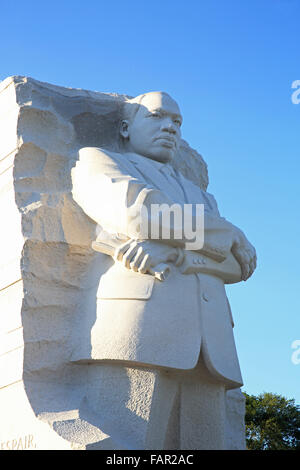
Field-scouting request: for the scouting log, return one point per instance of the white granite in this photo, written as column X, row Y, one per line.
column 49, row 277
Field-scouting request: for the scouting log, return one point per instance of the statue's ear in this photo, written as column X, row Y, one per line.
column 124, row 129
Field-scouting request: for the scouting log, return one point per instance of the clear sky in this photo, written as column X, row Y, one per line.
column 230, row 65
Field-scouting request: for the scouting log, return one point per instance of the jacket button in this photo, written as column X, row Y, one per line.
column 205, row 297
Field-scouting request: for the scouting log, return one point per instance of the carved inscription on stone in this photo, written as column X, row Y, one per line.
column 20, row 443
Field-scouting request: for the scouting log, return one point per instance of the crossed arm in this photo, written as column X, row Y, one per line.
column 112, row 194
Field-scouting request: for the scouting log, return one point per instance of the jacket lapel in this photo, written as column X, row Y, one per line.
column 151, row 173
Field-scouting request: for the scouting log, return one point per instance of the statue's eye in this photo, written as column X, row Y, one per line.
column 177, row 122
column 156, row 115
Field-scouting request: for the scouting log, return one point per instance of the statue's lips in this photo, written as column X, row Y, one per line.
column 168, row 141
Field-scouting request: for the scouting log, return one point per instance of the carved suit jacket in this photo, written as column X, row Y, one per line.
column 139, row 319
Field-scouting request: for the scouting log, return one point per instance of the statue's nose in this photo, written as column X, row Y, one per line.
column 169, row 126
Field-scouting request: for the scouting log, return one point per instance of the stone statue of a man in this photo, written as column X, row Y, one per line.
column 164, row 346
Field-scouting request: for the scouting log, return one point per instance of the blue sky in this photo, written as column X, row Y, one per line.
column 230, row 65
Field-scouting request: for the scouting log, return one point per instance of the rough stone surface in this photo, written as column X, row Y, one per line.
column 47, row 267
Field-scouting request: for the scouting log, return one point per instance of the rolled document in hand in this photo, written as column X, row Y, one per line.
column 160, row 272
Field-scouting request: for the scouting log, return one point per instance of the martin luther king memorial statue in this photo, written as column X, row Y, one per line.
column 116, row 331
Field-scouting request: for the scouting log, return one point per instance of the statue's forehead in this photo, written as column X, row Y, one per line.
column 157, row 100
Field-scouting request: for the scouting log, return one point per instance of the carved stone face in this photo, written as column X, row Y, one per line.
column 155, row 129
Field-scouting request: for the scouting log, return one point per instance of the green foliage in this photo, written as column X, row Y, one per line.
column 272, row 422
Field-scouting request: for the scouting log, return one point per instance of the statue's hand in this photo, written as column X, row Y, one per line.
column 140, row 256
column 245, row 254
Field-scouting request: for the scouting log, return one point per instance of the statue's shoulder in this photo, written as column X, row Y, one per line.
column 98, row 159
column 99, row 153
column 213, row 203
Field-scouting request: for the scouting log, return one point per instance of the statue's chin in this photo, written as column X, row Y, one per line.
column 163, row 156
column 161, row 159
